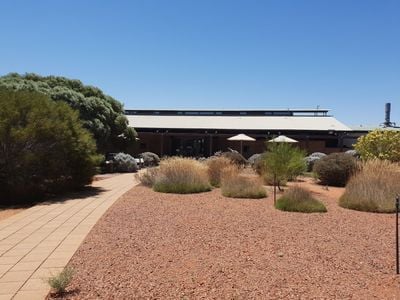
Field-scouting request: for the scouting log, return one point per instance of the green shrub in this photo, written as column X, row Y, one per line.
column 335, row 169
column 150, row 159
column 216, row 165
column 181, row 176
column 60, row 281
column 297, row 199
column 101, row 115
column 283, row 162
column 235, row 185
column 43, row 147
column 380, row 144
column 124, row 162
column 148, row 176
column 373, row 188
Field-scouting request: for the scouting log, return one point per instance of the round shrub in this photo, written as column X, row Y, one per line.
column 353, row 153
column 312, row 158
column 298, row 199
column 318, row 154
column 373, row 188
column 252, row 159
column 124, row 162
column 335, row 169
column 44, row 148
column 150, row 159
column 181, row 176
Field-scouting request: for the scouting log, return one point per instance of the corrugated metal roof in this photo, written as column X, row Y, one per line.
column 310, row 123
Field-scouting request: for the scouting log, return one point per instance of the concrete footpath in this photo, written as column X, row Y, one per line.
column 41, row 240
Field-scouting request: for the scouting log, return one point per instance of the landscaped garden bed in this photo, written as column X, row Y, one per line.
column 169, row 246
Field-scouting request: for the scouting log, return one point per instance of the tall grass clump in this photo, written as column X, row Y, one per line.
column 373, row 188
column 216, row 165
column 181, row 176
column 235, row 185
column 148, row 176
column 298, row 199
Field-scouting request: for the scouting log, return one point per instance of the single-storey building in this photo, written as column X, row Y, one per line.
column 203, row 132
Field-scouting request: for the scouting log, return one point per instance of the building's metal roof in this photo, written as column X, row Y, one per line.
column 365, row 128
column 301, row 123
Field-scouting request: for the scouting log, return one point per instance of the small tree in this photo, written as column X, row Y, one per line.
column 380, row 144
column 43, row 147
column 283, row 162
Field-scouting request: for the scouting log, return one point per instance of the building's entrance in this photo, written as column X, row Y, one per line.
column 189, row 146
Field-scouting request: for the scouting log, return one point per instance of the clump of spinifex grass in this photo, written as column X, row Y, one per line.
column 374, row 188
column 216, row 166
column 181, row 176
column 148, row 176
column 235, row 185
column 298, row 199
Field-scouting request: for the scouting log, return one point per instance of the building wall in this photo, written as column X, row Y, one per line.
column 167, row 143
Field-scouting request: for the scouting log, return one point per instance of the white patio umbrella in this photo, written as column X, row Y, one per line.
column 241, row 138
column 282, row 139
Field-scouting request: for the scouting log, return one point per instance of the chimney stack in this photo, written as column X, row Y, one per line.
column 387, row 122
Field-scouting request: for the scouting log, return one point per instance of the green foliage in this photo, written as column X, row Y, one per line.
column 43, row 147
column 283, row 162
column 335, row 169
column 380, row 144
column 60, row 282
column 102, row 115
column 297, row 199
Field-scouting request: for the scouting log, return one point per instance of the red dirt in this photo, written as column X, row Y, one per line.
column 164, row 246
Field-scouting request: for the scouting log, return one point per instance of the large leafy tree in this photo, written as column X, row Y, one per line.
column 379, row 144
column 43, row 147
column 101, row 114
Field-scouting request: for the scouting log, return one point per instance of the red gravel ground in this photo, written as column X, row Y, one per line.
column 204, row 246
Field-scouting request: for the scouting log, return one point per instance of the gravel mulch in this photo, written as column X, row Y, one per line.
column 204, row 246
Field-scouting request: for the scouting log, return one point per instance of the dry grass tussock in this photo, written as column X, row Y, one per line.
column 216, row 165
column 373, row 188
column 181, row 176
column 298, row 199
column 235, row 185
column 148, row 176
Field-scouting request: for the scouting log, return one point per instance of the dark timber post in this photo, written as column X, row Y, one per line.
column 274, row 189
column 397, row 236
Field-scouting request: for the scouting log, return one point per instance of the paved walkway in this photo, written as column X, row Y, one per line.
column 41, row 240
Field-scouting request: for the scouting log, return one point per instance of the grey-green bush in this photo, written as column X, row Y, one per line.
column 335, row 169
column 124, row 162
column 150, row 159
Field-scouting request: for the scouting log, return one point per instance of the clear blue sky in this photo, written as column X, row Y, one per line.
column 343, row 55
